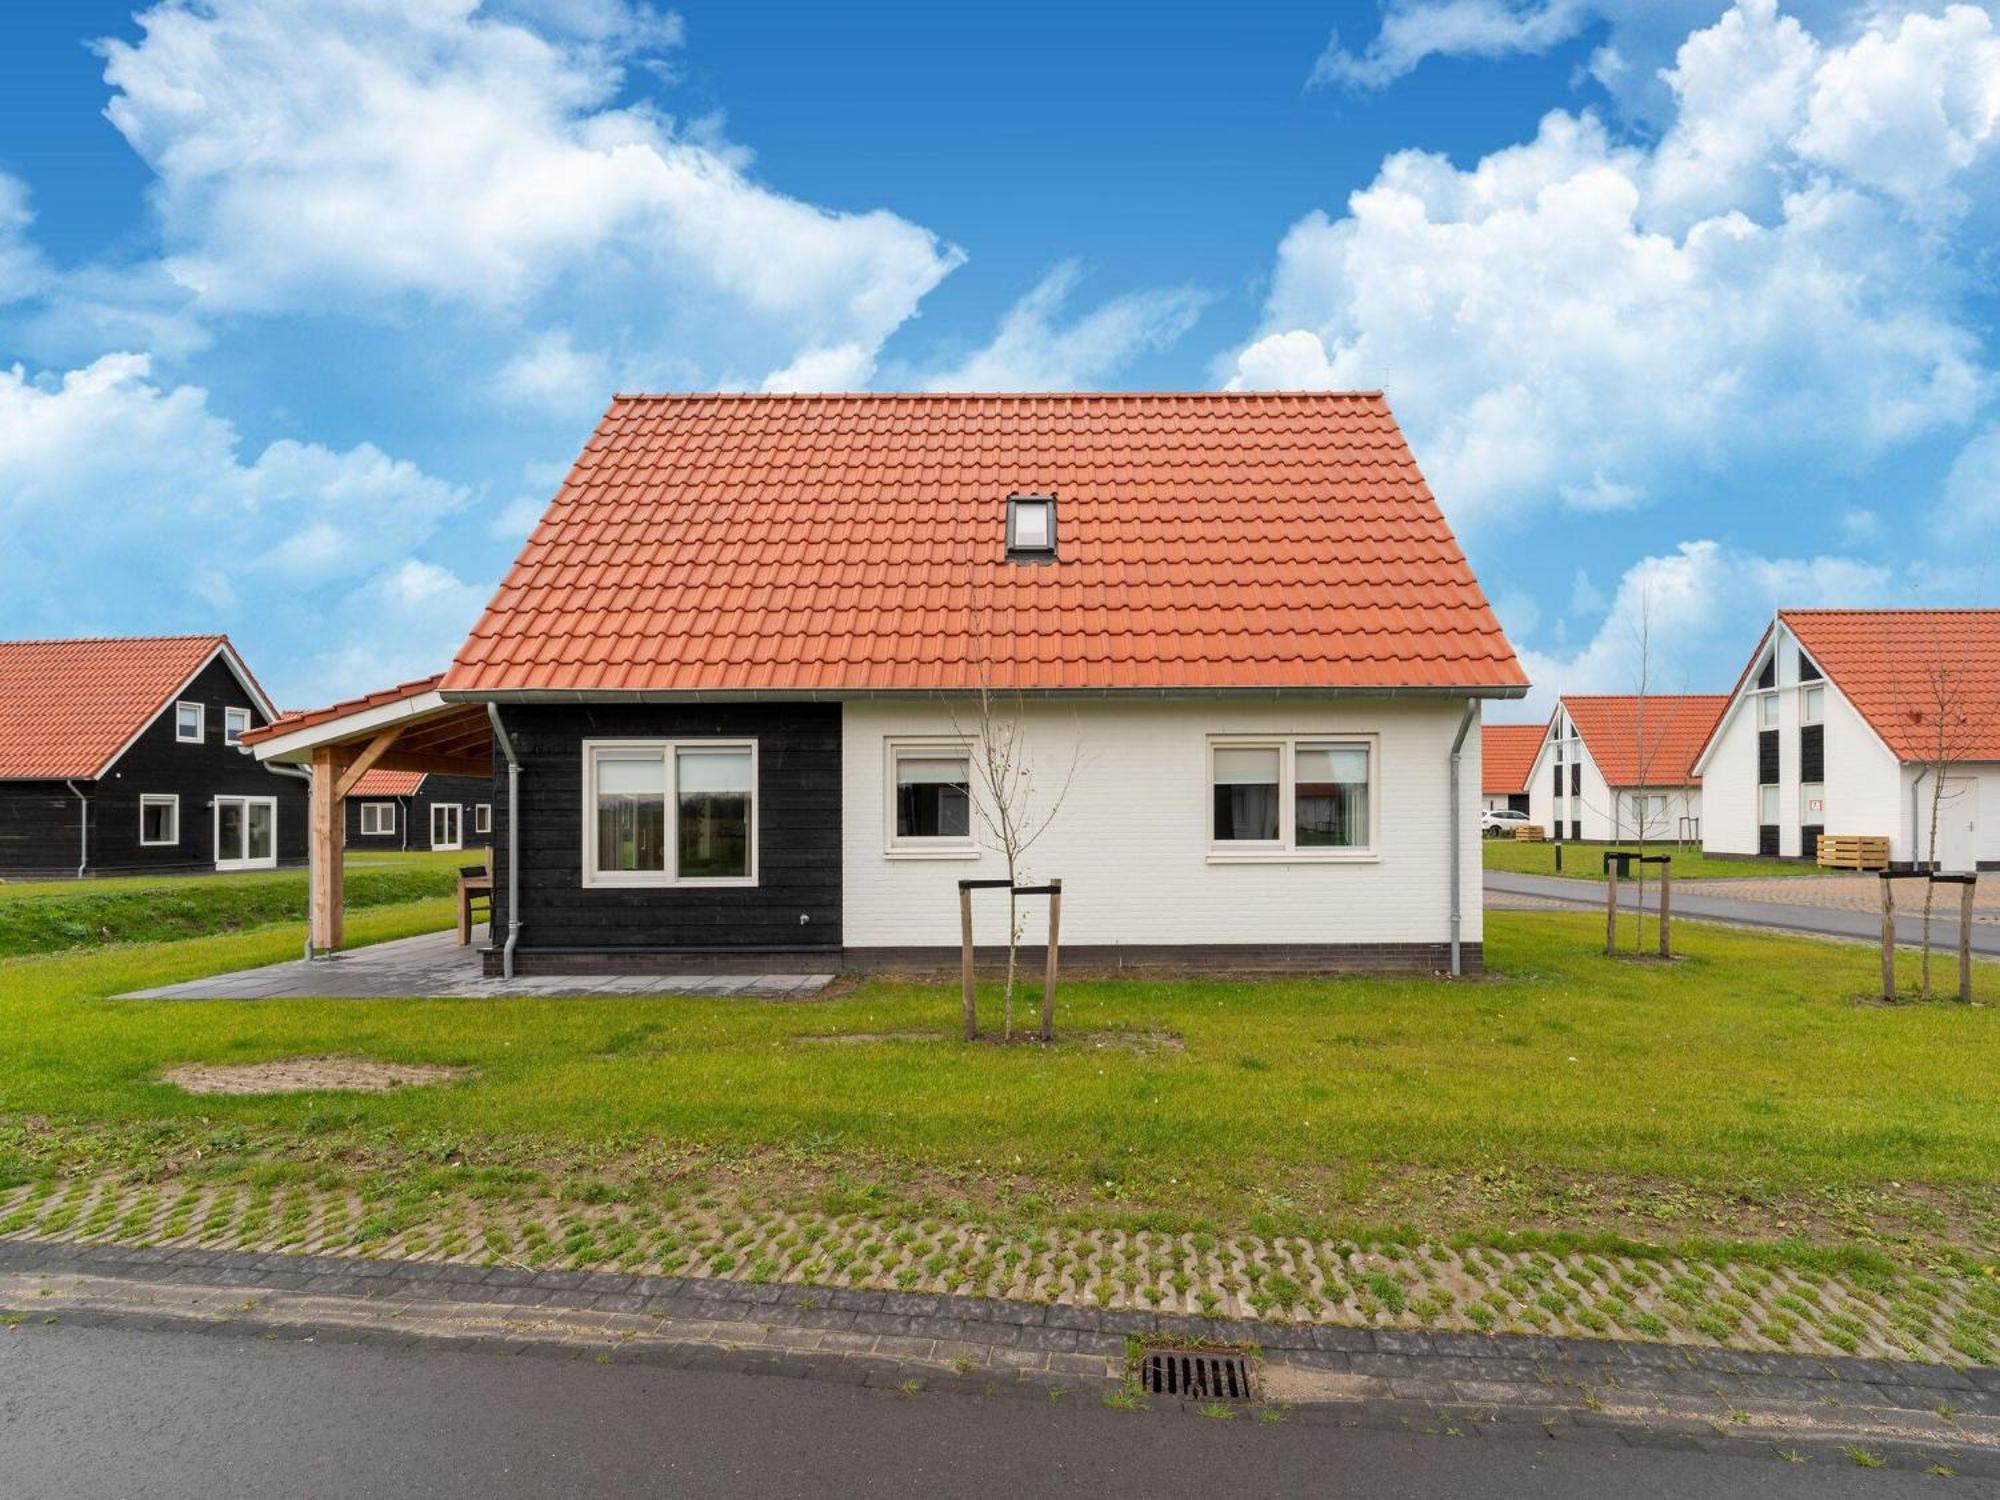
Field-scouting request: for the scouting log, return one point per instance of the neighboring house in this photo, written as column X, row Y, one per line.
column 1507, row 752
column 738, row 662
column 412, row 810
column 121, row 755
column 1834, row 728
column 1613, row 767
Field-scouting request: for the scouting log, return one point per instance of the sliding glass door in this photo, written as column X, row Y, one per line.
column 246, row 833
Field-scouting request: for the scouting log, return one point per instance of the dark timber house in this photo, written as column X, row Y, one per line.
column 410, row 810
column 732, row 685
column 122, row 756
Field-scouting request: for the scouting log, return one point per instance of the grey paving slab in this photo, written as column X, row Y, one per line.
column 434, row 965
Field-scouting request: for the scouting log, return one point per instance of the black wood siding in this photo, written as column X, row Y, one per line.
column 1812, row 754
column 798, row 850
column 413, row 814
column 157, row 762
column 1767, row 757
column 39, row 825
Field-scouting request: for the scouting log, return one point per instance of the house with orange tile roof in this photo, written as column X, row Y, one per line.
column 124, row 755
column 1506, row 753
column 734, row 685
column 416, row 810
column 1846, row 721
column 1612, row 766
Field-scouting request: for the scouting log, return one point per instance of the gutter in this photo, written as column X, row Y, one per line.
column 506, row 746
column 302, row 774
column 1916, row 818
column 82, row 830
column 1457, row 914
column 919, row 695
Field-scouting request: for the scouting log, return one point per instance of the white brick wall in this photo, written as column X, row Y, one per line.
column 1131, row 843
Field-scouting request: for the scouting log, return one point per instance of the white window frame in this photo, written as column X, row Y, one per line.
column 200, row 723
column 385, row 820
column 593, row 877
column 457, row 825
column 1764, row 697
column 1806, row 690
column 1777, row 804
column 215, row 834
column 896, row 847
column 1283, row 850
column 482, row 817
column 160, row 799
column 1805, row 812
column 235, row 724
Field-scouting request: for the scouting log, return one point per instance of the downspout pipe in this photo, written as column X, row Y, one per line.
column 1916, row 818
column 1456, row 818
column 82, row 830
column 306, row 776
column 506, row 744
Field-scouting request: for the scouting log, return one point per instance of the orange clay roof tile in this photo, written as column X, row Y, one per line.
column 1901, row 667
column 857, row 543
column 72, row 705
column 1675, row 727
column 1506, row 755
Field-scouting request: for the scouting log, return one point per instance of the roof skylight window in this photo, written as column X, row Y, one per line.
column 1031, row 528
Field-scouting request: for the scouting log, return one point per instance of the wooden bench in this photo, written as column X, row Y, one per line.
column 475, row 883
column 1853, row 851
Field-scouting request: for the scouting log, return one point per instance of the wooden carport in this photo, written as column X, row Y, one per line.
column 406, row 728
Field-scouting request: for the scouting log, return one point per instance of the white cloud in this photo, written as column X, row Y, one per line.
column 1582, row 320
column 1033, row 350
column 552, row 374
column 1420, row 29
column 1970, row 509
column 1703, row 605
column 129, row 505
column 351, row 156
column 22, row 271
column 402, row 625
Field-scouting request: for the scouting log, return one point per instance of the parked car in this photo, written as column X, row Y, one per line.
column 1500, row 823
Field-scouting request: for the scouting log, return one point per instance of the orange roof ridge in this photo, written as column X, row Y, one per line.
column 1342, row 393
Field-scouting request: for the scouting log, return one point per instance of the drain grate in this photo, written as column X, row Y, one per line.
column 1196, row 1374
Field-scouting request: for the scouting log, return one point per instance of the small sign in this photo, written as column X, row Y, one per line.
column 1815, row 804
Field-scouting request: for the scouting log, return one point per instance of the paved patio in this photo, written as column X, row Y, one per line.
column 434, row 965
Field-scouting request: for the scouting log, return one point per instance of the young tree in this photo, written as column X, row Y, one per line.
column 1948, row 712
column 1013, row 802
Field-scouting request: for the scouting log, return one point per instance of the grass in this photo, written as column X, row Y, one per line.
column 48, row 916
column 1744, row 1092
column 1585, row 861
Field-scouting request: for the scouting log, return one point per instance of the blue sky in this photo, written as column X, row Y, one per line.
column 304, row 304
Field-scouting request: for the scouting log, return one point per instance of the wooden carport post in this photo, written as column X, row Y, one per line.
column 329, row 837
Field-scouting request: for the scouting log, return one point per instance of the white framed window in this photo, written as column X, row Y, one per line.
column 1812, row 704
column 159, row 819
column 447, row 826
column 669, row 812
column 1767, row 804
column 235, row 721
column 1812, row 802
column 378, row 819
column 246, row 833
column 482, row 817
column 1292, row 797
column 929, row 793
column 190, row 722
column 1767, row 710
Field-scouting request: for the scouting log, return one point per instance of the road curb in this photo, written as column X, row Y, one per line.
column 1448, row 1385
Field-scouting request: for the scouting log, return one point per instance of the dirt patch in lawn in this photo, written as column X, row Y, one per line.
column 294, row 1075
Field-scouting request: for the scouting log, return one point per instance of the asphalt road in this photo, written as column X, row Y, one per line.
column 1691, row 904
column 105, row 1412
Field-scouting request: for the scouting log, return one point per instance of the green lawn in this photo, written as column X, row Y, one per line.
column 1585, row 861
column 46, row 916
column 1744, row 1091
